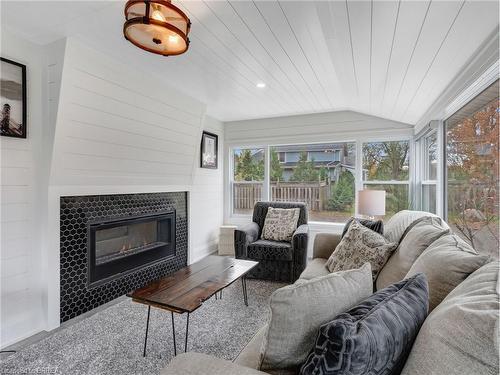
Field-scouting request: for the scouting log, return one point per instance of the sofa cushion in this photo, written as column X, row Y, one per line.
column 201, row 364
column 280, row 223
column 375, row 225
column 298, row 310
column 461, row 335
column 417, row 237
column 397, row 224
column 270, row 250
column 374, row 337
column 250, row 355
column 446, row 266
column 316, row 267
column 360, row 245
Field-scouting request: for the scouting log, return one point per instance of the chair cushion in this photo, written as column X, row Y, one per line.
column 417, row 237
column 360, row 245
column 298, row 310
column 461, row 335
column 375, row 225
column 446, row 265
column 374, row 337
column 316, row 267
column 270, row 250
column 280, row 224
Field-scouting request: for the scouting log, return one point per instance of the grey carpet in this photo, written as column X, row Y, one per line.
column 111, row 341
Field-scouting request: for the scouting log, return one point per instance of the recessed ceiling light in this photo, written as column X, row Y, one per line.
column 260, row 85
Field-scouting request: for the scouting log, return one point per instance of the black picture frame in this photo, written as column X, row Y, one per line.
column 5, row 129
column 206, row 159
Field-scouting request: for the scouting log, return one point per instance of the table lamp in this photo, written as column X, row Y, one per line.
column 371, row 203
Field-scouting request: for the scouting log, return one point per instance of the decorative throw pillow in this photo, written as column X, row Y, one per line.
column 298, row 310
column 446, row 266
column 360, row 245
column 417, row 237
column 375, row 225
column 399, row 222
column 460, row 336
column 280, row 224
column 374, row 337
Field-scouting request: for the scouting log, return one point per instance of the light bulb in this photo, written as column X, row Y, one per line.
column 157, row 15
column 173, row 38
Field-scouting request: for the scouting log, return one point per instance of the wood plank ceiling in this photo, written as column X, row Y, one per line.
column 386, row 58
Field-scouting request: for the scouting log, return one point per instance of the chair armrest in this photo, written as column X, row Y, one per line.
column 243, row 237
column 201, row 364
column 299, row 245
column 325, row 244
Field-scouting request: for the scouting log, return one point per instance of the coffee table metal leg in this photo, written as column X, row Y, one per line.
column 244, row 286
column 147, row 328
column 173, row 333
column 187, row 332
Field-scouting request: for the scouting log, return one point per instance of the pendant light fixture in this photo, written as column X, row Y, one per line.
column 156, row 26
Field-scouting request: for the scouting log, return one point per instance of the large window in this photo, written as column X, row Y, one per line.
column 320, row 175
column 248, row 178
column 324, row 176
column 472, row 183
column 386, row 167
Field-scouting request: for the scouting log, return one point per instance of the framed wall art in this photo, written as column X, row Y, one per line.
column 13, row 99
column 209, row 150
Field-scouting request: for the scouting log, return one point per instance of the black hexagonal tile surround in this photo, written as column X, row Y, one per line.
column 77, row 211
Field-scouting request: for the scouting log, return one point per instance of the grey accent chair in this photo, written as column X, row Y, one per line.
column 278, row 260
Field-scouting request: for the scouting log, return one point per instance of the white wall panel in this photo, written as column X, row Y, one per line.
column 20, row 303
column 118, row 125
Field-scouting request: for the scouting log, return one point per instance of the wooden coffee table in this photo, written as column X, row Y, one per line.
column 186, row 290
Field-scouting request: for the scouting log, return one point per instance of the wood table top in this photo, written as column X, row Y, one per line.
column 187, row 289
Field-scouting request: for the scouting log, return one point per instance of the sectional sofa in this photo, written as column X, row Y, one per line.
column 459, row 336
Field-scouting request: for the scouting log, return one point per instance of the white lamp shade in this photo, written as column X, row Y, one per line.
column 371, row 202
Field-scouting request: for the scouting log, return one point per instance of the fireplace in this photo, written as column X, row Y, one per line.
column 120, row 246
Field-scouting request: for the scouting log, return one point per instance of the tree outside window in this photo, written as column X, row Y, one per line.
column 472, row 158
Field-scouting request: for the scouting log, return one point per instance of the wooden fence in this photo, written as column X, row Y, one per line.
column 314, row 195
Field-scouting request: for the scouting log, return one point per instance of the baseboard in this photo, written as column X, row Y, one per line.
column 202, row 252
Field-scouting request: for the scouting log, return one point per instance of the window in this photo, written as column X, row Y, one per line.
column 324, row 176
column 386, row 167
column 320, row 175
column 472, row 178
column 248, row 179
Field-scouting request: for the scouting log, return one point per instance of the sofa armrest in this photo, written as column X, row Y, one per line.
column 243, row 237
column 300, row 239
column 325, row 244
column 201, row 364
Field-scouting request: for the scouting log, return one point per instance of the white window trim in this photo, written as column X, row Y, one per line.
column 434, row 127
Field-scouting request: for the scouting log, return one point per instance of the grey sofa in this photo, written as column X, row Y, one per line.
column 472, row 307
column 278, row 260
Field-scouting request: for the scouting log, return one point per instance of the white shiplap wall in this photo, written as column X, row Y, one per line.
column 96, row 126
column 319, row 127
column 117, row 125
column 20, row 296
column 206, row 200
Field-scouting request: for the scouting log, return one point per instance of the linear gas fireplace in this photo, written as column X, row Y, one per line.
column 117, row 247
